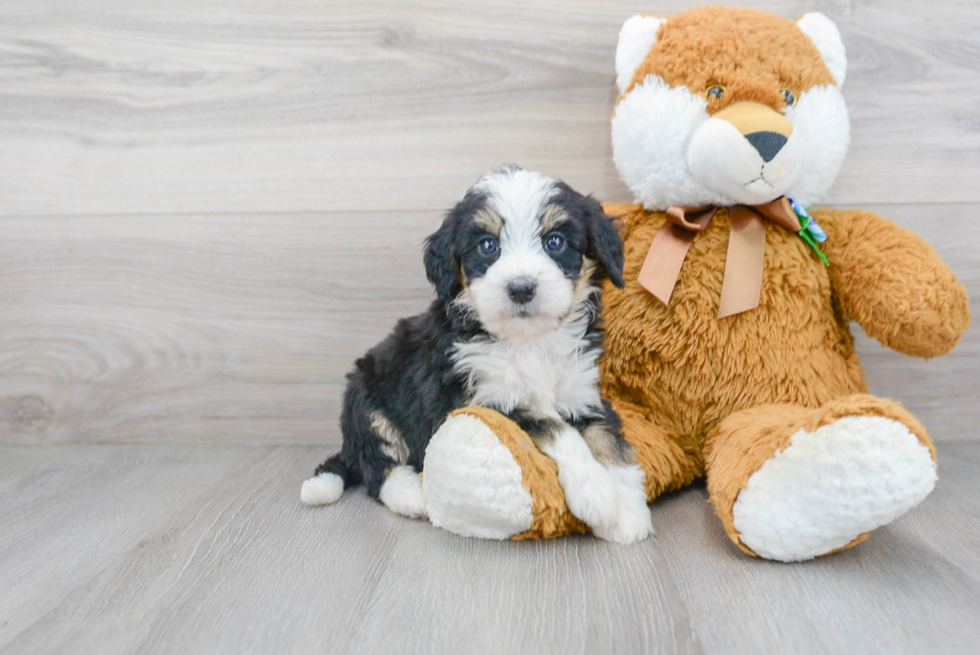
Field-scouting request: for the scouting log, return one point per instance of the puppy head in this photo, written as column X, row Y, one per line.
column 521, row 251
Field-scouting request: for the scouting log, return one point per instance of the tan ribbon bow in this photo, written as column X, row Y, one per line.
column 742, row 283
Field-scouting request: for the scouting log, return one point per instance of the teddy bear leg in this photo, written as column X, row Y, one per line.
column 792, row 483
column 659, row 452
column 483, row 477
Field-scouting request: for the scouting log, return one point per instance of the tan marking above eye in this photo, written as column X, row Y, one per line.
column 552, row 218
column 489, row 220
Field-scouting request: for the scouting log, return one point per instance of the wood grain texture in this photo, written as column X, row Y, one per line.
column 111, row 107
column 240, row 328
column 911, row 588
column 67, row 514
column 206, row 549
column 229, row 561
column 208, row 210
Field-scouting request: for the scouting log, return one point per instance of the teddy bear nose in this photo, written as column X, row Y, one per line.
column 768, row 144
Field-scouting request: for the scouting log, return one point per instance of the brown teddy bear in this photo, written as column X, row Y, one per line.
column 728, row 353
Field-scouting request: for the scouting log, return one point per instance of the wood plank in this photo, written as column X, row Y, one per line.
column 911, row 588
column 163, row 549
column 67, row 513
column 576, row 595
column 941, row 392
column 240, row 329
column 245, row 568
column 122, row 108
column 201, row 328
column 950, row 522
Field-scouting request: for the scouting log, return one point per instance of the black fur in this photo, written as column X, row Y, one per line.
column 602, row 240
column 543, row 430
column 442, row 266
column 409, row 377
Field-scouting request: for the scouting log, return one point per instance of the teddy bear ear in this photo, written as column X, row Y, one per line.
column 826, row 37
column 638, row 35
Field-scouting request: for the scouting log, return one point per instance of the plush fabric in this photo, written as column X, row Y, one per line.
column 770, row 404
column 485, row 486
column 745, row 440
column 708, row 46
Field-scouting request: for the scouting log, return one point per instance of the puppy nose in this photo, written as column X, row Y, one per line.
column 768, row 144
column 521, row 291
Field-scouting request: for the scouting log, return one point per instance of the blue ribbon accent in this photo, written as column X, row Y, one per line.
column 809, row 230
column 815, row 231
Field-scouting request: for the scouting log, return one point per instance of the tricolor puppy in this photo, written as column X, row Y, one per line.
column 514, row 328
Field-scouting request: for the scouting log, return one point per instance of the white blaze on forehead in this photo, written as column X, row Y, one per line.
column 519, row 197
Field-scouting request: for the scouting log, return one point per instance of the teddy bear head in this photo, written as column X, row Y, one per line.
column 726, row 106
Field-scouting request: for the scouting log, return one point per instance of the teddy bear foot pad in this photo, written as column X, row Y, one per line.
column 832, row 485
column 472, row 484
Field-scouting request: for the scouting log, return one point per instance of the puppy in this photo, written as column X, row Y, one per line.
column 514, row 327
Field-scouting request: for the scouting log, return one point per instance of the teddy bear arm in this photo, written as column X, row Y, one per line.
column 893, row 283
column 483, row 477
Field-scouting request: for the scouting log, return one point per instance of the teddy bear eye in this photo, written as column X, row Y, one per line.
column 715, row 91
column 789, row 97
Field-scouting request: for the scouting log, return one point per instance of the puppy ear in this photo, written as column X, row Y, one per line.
column 604, row 241
column 441, row 266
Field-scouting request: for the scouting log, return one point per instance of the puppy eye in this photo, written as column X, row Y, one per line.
column 554, row 242
column 715, row 91
column 789, row 97
column 488, row 246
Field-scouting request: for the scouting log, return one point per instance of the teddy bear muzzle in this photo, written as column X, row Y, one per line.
column 747, row 152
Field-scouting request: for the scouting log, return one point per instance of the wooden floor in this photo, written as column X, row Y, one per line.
column 206, row 549
column 209, row 209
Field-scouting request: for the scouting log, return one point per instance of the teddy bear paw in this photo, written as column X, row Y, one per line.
column 832, row 485
column 472, row 484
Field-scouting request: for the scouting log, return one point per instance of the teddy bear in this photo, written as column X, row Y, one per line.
column 728, row 353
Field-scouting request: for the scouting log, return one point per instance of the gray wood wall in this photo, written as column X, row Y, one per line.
column 208, row 210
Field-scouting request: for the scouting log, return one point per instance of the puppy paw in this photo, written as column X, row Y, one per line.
column 592, row 495
column 402, row 493
column 632, row 527
column 323, row 489
column 591, row 490
column 633, row 521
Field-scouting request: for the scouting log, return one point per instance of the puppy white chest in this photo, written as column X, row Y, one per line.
column 554, row 375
